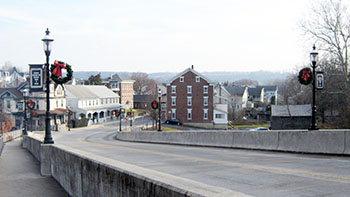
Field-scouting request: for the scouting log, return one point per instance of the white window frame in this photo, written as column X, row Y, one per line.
column 205, row 89
column 189, row 114
column 189, row 89
column 205, row 98
column 173, row 89
column 182, row 79
column 198, row 79
column 173, row 101
column 205, row 114
column 173, row 114
column 189, row 101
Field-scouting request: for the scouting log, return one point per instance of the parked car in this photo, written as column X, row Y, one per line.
column 259, row 129
column 177, row 122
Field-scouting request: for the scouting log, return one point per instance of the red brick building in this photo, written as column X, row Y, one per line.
column 190, row 99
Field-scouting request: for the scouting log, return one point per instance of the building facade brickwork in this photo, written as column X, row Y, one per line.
column 190, row 98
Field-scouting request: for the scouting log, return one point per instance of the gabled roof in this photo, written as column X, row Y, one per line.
column 291, row 110
column 190, row 70
column 90, row 91
column 12, row 91
column 115, row 77
column 23, row 85
column 269, row 88
column 255, row 91
column 235, row 90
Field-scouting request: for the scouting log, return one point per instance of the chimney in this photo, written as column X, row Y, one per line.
column 192, row 67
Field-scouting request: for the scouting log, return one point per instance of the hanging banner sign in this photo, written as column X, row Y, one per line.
column 36, row 77
column 319, row 80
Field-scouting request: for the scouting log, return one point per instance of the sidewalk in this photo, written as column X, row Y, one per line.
column 20, row 174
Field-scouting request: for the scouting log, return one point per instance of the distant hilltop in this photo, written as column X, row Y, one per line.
column 263, row 77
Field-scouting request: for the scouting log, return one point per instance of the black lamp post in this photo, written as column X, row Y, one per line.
column 159, row 110
column 314, row 58
column 25, row 95
column 47, row 40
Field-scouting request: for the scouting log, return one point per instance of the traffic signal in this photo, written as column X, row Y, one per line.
column 129, row 113
column 117, row 113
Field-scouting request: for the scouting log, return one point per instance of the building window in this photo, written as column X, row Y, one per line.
column 89, row 103
column 205, row 115
column 61, row 103
column 8, row 102
column 205, row 101
column 189, row 89
column 189, row 101
column 205, row 89
column 173, row 89
column 19, row 106
column 173, row 114
column 56, row 103
column 219, row 116
column 189, row 114
column 182, row 79
column 198, row 79
column 173, row 101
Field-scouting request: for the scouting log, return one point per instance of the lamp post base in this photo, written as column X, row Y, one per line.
column 313, row 127
column 48, row 141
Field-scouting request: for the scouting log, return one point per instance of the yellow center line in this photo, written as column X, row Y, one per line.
column 229, row 163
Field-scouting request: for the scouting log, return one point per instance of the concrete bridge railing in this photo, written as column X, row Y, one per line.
column 85, row 174
column 321, row 142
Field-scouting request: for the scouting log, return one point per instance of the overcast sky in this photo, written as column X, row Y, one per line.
column 156, row 35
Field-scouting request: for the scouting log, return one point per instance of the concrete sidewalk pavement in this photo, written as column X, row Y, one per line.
column 20, row 174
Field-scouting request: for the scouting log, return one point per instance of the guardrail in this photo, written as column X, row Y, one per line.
column 85, row 174
column 302, row 141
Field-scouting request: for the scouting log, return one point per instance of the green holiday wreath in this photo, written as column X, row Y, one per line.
column 56, row 72
column 305, row 76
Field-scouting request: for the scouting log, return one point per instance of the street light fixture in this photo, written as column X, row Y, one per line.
column 47, row 41
column 314, row 59
column 25, row 94
column 159, row 110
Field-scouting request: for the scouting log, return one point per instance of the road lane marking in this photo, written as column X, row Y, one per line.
column 327, row 176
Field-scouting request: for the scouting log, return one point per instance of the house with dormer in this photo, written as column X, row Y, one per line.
column 58, row 109
column 12, row 103
column 190, row 99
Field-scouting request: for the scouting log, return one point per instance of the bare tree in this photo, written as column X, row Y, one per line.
column 143, row 84
column 244, row 82
column 329, row 25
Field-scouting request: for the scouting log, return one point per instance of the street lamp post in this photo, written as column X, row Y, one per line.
column 314, row 58
column 25, row 94
column 47, row 40
column 159, row 110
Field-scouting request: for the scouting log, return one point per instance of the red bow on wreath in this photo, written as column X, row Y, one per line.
column 58, row 68
column 306, row 74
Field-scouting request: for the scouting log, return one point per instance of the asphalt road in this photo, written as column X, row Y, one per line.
column 257, row 173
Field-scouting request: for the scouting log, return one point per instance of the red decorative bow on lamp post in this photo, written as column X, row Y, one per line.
column 58, row 68
column 306, row 74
